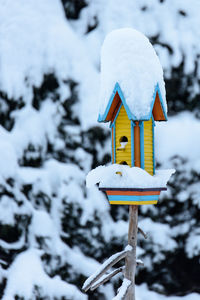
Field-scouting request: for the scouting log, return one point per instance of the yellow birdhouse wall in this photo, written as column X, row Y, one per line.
column 139, row 150
column 148, row 147
column 123, row 129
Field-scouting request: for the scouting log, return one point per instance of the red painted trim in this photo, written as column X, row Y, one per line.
column 132, row 193
column 133, row 189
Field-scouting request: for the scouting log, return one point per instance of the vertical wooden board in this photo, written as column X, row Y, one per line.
column 112, row 146
column 123, row 128
column 137, row 145
column 148, row 146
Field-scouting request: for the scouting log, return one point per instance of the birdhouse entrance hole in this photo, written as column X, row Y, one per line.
column 123, row 163
column 123, row 139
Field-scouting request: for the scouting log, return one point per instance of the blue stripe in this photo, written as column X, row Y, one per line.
column 132, row 198
column 102, row 118
column 132, row 144
column 141, row 124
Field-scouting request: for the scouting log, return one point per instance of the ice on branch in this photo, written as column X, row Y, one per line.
column 123, row 176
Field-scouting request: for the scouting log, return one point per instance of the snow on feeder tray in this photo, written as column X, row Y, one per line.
column 132, row 99
column 129, row 186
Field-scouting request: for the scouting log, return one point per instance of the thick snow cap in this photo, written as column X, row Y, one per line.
column 130, row 63
column 134, row 177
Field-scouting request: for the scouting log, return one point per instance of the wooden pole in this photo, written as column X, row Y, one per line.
column 130, row 261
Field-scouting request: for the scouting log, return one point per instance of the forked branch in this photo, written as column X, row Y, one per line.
column 106, row 277
column 105, row 266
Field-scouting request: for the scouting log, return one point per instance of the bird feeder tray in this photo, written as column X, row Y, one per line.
column 133, row 196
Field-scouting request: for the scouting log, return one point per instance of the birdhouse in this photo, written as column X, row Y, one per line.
column 132, row 138
column 132, row 100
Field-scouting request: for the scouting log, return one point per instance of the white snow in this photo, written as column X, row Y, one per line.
column 152, row 18
column 193, row 243
column 128, row 58
column 27, row 272
column 142, row 293
column 128, row 248
column 178, row 136
column 56, row 45
column 133, row 177
column 159, row 234
column 48, row 39
column 8, row 154
column 123, row 289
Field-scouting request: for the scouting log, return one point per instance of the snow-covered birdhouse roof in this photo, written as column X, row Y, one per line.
column 131, row 73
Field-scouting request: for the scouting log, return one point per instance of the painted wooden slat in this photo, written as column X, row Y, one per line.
column 148, row 146
column 133, row 202
column 123, row 128
column 132, row 198
column 137, row 145
column 112, row 146
column 131, row 193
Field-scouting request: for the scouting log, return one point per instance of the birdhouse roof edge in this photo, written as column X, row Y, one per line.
column 131, row 116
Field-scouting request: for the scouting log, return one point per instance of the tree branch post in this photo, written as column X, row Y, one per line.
column 130, row 261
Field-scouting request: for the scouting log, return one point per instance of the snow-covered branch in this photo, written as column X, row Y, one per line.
column 111, row 261
column 106, row 277
column 123, row 290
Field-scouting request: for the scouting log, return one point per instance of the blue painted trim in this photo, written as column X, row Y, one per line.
column 132, row 144
column 161, row 101
column 141, row 125
column 153, row 125
column 132, row 198
column 114, row 141
column 102, row 118
column 157, row 90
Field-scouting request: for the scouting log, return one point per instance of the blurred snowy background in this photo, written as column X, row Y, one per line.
column 53, row 231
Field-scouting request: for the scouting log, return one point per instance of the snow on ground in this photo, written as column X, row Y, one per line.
column 134, row 177
column 129, row 59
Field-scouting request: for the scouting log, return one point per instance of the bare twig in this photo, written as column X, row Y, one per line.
column 106, row 278
column 139, row 262
column 105, row 266
column 143, row 233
